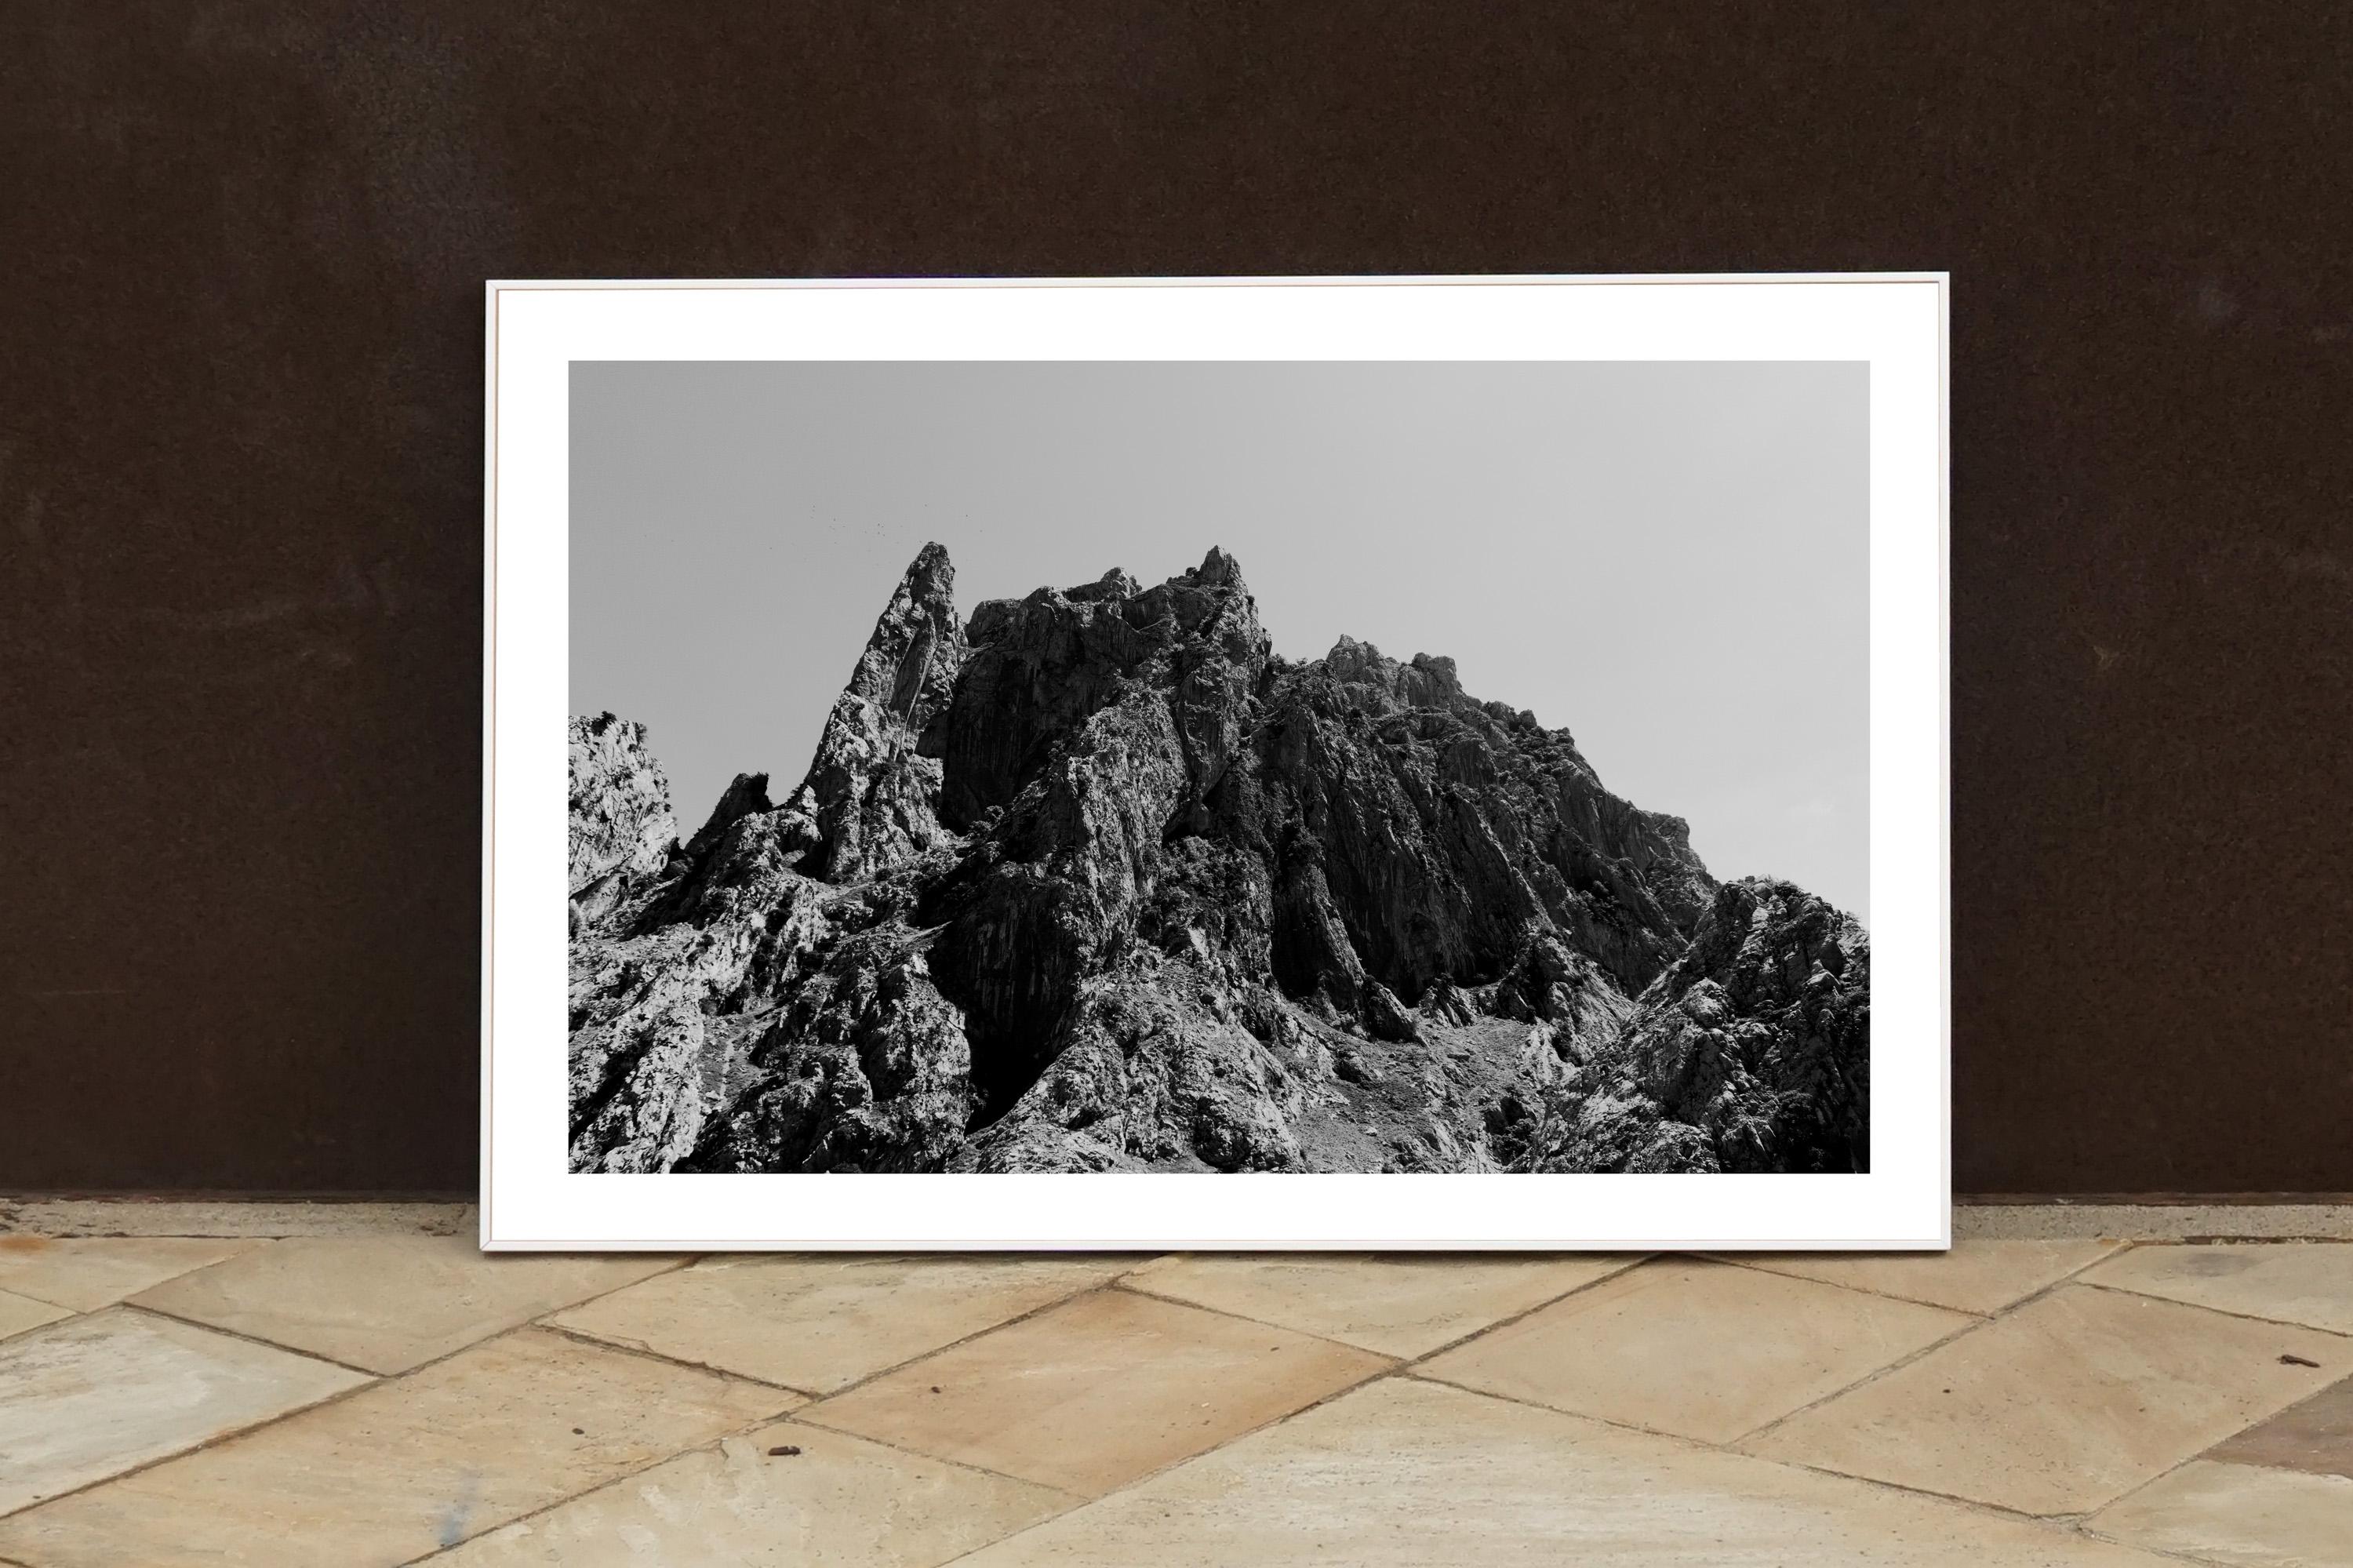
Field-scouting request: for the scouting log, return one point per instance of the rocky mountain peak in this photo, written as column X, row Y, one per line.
column 917, row 644
column 1094, row 882
column 1218, row 569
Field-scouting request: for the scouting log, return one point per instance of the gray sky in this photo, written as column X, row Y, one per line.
column 1667, row 559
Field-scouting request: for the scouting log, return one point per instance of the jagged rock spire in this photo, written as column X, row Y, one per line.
column 901, row 671
column 871, row 793
column 1218, row 569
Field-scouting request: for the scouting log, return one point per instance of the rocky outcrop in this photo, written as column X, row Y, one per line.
column 1751, row 1053
column 1097, row 882
column 622, row 829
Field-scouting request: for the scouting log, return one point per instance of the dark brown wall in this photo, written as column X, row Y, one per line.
column 240, row 463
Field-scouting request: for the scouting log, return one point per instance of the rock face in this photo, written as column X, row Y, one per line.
column 1751, row 1053
column 622, row 830
column 1095, row 881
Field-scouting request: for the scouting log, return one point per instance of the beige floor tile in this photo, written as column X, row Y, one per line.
column 1976, row 1276
column 19, row 1313
column 2291, row 1282
column 94, row 1396
column 840, row 1503
column 86, row 1272
column 822, row 1323
column 2316, row 1434
column 1398, row 1305
column 388, row 1303
column 1701, row 1349
column 397, row 1471
column 1406, row 1473
column 1098, row 1391
column 2240, row 1514
column 2064, row 1404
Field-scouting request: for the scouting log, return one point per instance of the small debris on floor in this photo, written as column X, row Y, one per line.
column 580, row 1432
column 935, row 1388
column 783, row 1450
column 2296, row 1362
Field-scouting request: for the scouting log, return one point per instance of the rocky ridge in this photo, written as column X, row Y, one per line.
column 1094, row 880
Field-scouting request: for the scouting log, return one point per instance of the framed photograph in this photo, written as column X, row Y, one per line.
column 1258, row 763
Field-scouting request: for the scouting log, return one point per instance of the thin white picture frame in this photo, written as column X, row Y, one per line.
column 1897, row 323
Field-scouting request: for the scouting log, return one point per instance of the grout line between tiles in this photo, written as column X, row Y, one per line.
column 672, row 1266
column 2175, row 1554
column 1076, row 1504
column 2220, row 1311
column 1637, row 1261
column 1642, row 1261
column 1734, row 1260
column 630, row 1475
column 1123, row 1275
column 245, row 1246
column 897, row 1447
column 2053, row 1522
column 136, row 1305
column 1389, row 1364
column 374, row 1380
column 1740, row 1260
column 1041, row 1309
column 640, row 1348
column 2067, row 1521
column 1969, row 1326
column 283, row 1350
column 1370, row 1378
column 2021, row 1303
column 1126, row 1289
column 709, row 1446
column 1621, row 1423
column 952, row 1344
column 636, row 1351
column 1071, row 1500
column 2081, row 1526
column 643, row 1352
column 215, row 1441
column 1970, row 1321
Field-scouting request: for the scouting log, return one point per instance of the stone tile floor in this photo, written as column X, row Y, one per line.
column 390, row 1395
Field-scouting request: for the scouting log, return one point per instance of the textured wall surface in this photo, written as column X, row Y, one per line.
column 240, row 471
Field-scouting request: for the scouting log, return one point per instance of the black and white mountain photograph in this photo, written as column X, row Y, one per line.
column 1220, row 766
